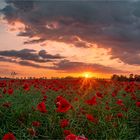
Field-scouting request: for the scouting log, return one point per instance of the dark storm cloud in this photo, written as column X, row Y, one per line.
column 25, row 54
column 34, row 41
column 68, row 66
column 23, row 63
column 113, row 24
column 44, row 54
column 30, row 64
column 30, row 54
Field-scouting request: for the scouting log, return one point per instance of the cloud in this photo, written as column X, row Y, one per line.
column 45, row 55
column 34, row 41
column 29, row 54
column 68, row 66
column 27, row 63
column 23, row 63
column 110, row 24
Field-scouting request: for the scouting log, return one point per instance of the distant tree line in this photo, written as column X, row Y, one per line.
column 130, row 78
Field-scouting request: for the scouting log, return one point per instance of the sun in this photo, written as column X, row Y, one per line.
column 87, row 75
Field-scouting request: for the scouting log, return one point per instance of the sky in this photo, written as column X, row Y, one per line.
column 58, row 38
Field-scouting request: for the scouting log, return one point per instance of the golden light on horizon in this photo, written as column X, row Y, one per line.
column 87, row 75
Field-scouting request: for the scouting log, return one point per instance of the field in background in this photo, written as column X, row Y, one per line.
column 71, row 109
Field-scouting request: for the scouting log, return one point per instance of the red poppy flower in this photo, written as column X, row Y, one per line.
column 58, row 99
column 91, row 118
column 71, row 137
column 62, row 104
column 7, row 104
column 36, row 123
column 81, row 138
column 99, row 95
column 119, row 102
column 1, row 96
column 10, row 91
column 26, row 87
column 43, row 92
column 138, row 104
column 3, row 84
column 67, row 132
column 114, row 94
column 119, row 115
column 92, row 101
column 82, row 110
column 9, row 136
column 45, row 98
column 125, row 109
column 64, row 123
column 41, row 107
column 107, row 108
column 75, row 99
column 4, row 91
column 133, row 96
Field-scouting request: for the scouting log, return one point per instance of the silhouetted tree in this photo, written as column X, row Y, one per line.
column 130, row 78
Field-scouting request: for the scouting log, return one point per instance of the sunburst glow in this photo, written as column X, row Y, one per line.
column 87, row 75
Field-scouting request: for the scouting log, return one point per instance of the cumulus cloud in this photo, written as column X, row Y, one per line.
column 112, row 24
column 29, row 54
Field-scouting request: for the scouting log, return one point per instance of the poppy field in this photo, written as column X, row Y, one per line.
column 69, row 109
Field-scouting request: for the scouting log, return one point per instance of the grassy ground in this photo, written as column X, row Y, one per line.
column 115, row 111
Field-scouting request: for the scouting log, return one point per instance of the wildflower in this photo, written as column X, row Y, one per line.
column 92, row 101
column 82, row 110
column 7, row 104
column 64, row 123
column 67, row 132
column 71, row 137
column 75, row 99
column 125, row 109
column 138, row 103
column 1, row 96
column 91, row 118
column 43, row 92
column 114, row 94
column 99, row 95
column 4, row 90
column 119, row 102
column 62, row 104
column 41, row 107
column 9, row 136
column 133, row 96
column 26, row 87
column 81, row 138
column 74, row 137
column 119, row 115
column 3, row 84
column 36, row 123
column 10, row 91
column 44, row 98
column 107, row 107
